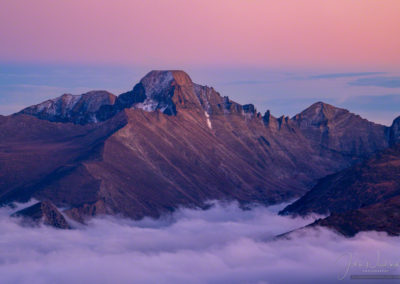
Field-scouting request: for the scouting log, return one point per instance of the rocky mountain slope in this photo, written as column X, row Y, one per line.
column 170, row 142
column 372, row 181
column 339, row 130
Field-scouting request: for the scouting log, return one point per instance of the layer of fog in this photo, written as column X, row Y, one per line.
column 221, row 245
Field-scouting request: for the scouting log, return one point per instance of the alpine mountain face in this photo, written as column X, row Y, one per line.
column 170, row 142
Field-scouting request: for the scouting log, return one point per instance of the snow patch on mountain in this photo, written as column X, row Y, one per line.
column 208, row 120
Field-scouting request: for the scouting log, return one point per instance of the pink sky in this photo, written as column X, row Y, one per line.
column 359, row 34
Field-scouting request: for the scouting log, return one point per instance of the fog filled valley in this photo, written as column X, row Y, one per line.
column 223, row 244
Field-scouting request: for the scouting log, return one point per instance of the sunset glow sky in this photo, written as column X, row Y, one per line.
column 278, row 54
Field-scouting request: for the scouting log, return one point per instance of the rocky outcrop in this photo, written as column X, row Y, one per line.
column 43, row 213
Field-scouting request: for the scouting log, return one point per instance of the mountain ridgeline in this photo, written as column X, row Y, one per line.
column 170, row 142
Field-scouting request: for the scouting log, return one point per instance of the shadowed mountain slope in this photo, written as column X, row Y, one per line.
column 382, row 217
column 363, row 184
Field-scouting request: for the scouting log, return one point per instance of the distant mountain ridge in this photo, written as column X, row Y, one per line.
column 155, row 92
column 170, row 142
column 79, row 109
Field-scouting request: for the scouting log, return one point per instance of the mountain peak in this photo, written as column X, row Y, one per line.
column 318, row 113
column 165, row 91
column 321, row 107
column 163, row 78
column 156, row 89
column 337, row 129
column 170, row 90
column 78, row 109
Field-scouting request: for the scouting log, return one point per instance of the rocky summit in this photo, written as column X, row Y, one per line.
column 170, row 142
